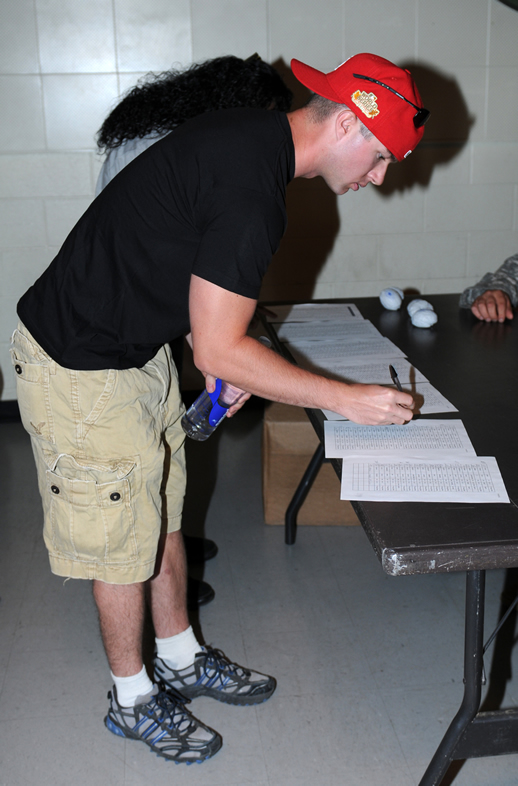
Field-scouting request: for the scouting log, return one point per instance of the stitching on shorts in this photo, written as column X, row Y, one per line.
column 76, row 410
column 84, row 424
column 103, row 399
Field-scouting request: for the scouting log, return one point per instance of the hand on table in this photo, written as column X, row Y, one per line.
column 493, row 306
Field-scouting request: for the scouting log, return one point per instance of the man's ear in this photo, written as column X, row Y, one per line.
column 345, row 121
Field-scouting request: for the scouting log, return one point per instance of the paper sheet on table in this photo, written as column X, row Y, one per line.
column 370, row 373
column 379, row 374
column 303, row 332
column 352, row 353
column 411, row 480
column 428, row 401
column 430, row 439
column 307, row 312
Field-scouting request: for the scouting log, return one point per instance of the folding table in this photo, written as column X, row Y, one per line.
column 475, row 366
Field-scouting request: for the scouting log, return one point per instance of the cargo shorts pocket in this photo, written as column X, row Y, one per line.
column 89, row 510
column 33, row 389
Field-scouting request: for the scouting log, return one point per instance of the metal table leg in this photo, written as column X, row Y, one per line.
column 290, row 525
column 473, row 734
column 473, row 664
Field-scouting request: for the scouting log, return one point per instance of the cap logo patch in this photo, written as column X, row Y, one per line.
column 366, row 102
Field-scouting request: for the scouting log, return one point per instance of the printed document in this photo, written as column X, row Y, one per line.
column 428, row 399
column 429, row 439
column 410, row 480
column 308, row 312
column 302, row 332
column 353, row 352
column 376, row 373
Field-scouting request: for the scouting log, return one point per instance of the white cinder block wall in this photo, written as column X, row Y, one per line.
column 444, row 217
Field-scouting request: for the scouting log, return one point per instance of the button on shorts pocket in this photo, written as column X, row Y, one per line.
column 89, row 511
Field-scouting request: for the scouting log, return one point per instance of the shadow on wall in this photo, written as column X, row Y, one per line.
column 446, row 132
column 313, row 225
column 313, row 218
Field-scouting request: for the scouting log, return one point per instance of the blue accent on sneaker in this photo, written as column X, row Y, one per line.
column 163, row 723
column 112, row 727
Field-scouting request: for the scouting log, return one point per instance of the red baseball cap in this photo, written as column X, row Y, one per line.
column 382, row 95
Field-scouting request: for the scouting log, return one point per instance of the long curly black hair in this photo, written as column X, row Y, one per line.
column 164, row 101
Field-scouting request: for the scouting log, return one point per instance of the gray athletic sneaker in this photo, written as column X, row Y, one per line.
column 163, row 723
column 212, row 674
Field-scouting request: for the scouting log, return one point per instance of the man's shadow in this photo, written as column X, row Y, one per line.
column 446, row 132
column 313, row 217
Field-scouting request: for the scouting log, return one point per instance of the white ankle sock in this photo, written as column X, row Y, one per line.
column 129, row 689
column 179, row 651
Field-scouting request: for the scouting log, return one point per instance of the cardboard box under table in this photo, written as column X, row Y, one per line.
column 289, row 442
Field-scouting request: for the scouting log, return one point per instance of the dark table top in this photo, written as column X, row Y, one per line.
column 475, row 366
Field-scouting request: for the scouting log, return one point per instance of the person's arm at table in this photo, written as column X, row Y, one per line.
column 221, row 348
column 493, row 306
column 493, row 298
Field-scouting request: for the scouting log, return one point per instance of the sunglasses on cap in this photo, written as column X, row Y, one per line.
column 422, row 114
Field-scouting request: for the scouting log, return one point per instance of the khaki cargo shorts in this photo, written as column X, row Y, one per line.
column 109, row 453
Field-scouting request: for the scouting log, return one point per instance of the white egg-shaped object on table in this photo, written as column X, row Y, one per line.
column 424, row 318
column 391, row 298
column 417, row 305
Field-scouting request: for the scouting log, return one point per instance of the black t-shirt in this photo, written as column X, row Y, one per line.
column 207, row 199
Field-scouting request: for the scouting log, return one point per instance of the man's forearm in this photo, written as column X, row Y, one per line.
column 261, row 371
column 222, row 348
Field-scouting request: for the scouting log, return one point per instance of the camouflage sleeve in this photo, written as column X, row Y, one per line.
column 505, row 278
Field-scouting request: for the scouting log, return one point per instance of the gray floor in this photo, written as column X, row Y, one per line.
column 369, row 668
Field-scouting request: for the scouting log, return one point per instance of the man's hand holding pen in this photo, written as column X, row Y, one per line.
column 376, row 405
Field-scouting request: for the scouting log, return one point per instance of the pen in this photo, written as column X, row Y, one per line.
column 395, row 378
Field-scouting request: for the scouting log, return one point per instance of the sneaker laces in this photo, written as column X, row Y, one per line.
column 170, row 710
column 216, row 660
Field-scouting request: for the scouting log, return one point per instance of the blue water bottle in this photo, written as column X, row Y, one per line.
column 209, row 409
